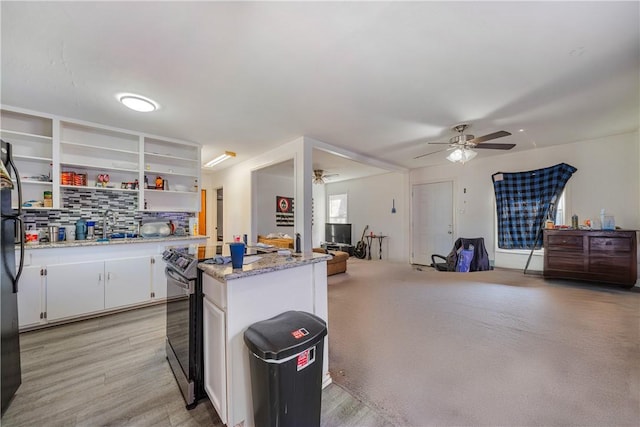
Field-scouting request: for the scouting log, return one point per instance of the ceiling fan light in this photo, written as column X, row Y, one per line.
column 468, row 155
column 455, row 155
column 318, row 176
column 461, row 155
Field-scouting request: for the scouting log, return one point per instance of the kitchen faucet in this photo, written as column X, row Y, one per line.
column 105, row 223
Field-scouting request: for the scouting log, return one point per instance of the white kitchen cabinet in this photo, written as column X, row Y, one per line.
column 214, row 349
column 74, row 289
column 30, row 307
column 81, row 281
column 158, row 278
column 127, row 281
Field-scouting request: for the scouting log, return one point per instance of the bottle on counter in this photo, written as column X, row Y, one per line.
column 298, row 243
column 574, row 221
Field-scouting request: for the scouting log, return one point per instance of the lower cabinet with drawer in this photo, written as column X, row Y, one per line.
column 597, row 256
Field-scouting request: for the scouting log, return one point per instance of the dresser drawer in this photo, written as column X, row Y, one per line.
column 602, row 264
column 610, row 244
column 565, row 263
column 565, row 242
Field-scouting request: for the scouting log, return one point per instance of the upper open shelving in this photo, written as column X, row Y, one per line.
column 46, row 145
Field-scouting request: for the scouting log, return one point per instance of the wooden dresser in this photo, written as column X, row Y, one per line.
column 597, row 256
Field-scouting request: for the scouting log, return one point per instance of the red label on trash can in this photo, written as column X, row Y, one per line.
column 297, row 334
column 306, row 358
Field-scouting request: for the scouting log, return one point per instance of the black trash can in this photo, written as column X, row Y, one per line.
column 285, row 358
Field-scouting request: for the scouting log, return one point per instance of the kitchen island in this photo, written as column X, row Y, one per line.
column 236, row 298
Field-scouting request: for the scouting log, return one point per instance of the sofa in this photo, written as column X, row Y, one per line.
column 337, row 263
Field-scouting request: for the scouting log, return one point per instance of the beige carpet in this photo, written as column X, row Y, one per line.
column 488, row 348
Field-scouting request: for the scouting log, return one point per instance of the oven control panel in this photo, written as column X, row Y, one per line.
column 182, row 262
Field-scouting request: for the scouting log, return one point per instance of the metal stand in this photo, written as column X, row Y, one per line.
column 533, row 247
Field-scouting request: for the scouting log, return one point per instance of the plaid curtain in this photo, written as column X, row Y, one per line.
column 524, row 200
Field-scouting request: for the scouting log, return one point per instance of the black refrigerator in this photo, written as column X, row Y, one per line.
column 12, row 235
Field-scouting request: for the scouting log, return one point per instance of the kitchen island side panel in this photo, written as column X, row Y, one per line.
column 255, row 298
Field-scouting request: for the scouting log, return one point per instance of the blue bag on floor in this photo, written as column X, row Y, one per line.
column 464, row 260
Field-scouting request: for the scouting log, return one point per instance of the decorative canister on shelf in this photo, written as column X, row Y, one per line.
column 574, row 221
column 48, row 199
column 159, row 183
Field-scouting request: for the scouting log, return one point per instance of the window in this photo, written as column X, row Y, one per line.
column 560, row 210
column 338, row 208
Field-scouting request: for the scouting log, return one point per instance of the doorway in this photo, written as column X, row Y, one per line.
column 432, row 212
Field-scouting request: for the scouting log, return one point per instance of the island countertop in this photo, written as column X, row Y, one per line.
column 79, row 243
column 268, row 262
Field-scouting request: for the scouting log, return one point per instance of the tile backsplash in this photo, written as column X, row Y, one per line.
column 90, row 205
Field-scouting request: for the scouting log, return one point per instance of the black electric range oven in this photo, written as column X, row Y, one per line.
column 184, row 318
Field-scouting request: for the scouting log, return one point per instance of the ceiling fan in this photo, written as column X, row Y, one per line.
column 319, row 176
column 462, row 144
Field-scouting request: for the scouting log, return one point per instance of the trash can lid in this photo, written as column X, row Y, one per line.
column 285, row 335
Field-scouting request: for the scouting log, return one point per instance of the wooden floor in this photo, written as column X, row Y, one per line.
column 112, row 371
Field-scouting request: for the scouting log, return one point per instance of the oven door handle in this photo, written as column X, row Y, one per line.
column 180, row 281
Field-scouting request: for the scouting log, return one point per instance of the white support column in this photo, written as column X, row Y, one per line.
column 303, row 170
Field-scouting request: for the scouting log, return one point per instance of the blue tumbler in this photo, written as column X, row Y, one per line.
column 237, row 254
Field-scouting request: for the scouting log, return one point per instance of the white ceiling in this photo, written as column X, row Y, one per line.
column 377, row 78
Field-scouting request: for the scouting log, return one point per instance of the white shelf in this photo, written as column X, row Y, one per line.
column 158, row 172
column 25, row 134
column 95, row 147
column 33, row 158
column 169, row 191
column 96, row 168
column 34, row 182
column 24, row 208
column 169, row 156
column 86, row 187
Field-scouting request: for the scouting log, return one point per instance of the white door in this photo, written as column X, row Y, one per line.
column 214, row 349
column 432, row 211
column 29, row 296
column 128, row 281
column 74, row 289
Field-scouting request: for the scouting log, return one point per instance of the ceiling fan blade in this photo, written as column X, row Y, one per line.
column 428, row 154
column 495, row 146
column 490, row 136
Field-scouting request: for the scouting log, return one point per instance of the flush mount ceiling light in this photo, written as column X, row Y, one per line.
column 138, row 103
column 221, row 158
column 461, row 155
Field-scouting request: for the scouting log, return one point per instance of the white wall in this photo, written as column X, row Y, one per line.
column 369, row 202
column 240, row 183
column 268, row 187
column 607, row 177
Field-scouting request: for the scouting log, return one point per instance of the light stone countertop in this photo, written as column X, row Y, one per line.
column 79, row 243
column 267, row 263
